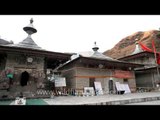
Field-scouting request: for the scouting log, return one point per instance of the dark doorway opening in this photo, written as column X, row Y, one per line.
column 110, row 86
column 91, row 82
column 125, row 81
column 24, row 78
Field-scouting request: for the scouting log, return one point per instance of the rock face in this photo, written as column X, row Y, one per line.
column 127, row 45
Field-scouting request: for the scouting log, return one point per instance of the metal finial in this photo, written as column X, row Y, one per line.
column 136, row 40
column 31, row 20
column 29, row 28
column 95, row 48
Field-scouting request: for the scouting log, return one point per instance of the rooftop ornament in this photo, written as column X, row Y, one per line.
column 30, row 29
column 95, row 48
column 137, row 48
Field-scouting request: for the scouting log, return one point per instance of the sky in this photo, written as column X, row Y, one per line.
column 76, row 33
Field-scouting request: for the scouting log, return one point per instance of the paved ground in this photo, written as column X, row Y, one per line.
column 105, row 99
column 157, row 102
column 110, row 99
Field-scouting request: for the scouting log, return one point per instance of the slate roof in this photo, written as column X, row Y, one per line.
column 99, row 55
column 26, row 43
column 4, row 42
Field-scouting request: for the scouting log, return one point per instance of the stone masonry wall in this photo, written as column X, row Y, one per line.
column 18, row 63
column 70, row 79
column 78, row 77
column 101, row 75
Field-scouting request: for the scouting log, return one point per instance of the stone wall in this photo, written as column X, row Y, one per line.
column 78, row 77
column 70, row 79
column 18, row 63
column 81, row 71
column 2, row 62
column 145, row 80
column 82, row 82
column 101, row 75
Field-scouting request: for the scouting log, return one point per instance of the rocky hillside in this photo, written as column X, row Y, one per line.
column 127, row 45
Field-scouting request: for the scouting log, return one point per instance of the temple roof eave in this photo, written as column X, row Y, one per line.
column 22, row 50
column 98, row 60
column 140, row 54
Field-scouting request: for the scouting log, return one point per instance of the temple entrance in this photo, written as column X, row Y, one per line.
column 91, row 82
column 110, row 86
column 24, row 78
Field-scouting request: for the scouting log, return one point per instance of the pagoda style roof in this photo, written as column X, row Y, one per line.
column 37, row 52
column 98, row 58
column 26, row 43
column 99, row 55
column 29, row 47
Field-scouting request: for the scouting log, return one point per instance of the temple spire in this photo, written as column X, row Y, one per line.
column 137, row 48
column 30, row 29
column 95, row 48
column 29, row 42
column 97, row 54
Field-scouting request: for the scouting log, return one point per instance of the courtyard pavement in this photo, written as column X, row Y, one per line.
column 110, row 99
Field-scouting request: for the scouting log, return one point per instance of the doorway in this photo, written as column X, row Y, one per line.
column 91, row 82
column 110, row 84
column 24, row 78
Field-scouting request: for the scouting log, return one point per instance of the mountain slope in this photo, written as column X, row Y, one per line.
column 127, row 45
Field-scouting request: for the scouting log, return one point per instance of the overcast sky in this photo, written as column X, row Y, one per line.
column 76, row 33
